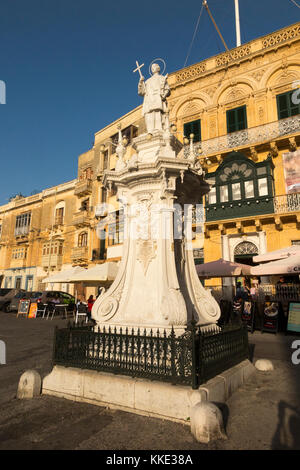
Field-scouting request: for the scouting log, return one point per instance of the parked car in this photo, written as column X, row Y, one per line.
column 58, row 297
column 13, row 306
column 6, row 296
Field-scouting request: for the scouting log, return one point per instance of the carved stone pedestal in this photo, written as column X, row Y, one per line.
column 157, row 285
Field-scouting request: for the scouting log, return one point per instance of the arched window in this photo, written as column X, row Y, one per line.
column 245, row 248
column 82, row 239
column 59, row 213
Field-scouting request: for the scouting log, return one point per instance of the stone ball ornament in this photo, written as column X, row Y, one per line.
column 264, row 365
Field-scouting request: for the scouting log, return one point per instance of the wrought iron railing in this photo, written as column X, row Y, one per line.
column 220, row 351
column 287, row 203
column 251, row 136
column 285, row 293
column 189, row 359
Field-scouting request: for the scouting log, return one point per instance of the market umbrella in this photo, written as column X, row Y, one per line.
column 278, row 254
column 223, row 268
column 64, row 276
column 290, row 265
column 101, row 272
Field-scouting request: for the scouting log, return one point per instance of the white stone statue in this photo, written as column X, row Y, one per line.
column 155, row 91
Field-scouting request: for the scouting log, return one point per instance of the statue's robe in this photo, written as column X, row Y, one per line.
column 154, row 90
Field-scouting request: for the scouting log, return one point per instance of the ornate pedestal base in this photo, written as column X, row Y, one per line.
column 157, row 285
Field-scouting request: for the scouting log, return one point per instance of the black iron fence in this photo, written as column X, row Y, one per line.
column 189, row 359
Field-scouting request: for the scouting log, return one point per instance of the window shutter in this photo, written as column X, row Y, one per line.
column 236, row 119
column 193, row 127
column 285, row 106
column 282, row 105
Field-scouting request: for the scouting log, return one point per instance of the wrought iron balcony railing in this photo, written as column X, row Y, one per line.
column 252, row 136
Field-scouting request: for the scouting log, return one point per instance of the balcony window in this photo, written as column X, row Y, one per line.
column 223, row 193
column 193, row 127
column 85, row 205
column 54, row 248
column 82, row 239
column 22, row 224
column 212, row 196
column 285, row 106
column 249, row 189
column 263, row 187
column 261, row 171
column 236, row 119
column 242, row 188
column 19, row 253
column 59, row 216
column 236, row 191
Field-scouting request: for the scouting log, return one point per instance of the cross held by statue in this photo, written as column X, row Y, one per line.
column 138, row 68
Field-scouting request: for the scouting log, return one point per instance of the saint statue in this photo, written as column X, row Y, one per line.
column 155, row 91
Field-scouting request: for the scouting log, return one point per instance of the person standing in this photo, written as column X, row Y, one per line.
column 91, row 301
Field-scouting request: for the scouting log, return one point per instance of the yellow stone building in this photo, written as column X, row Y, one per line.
column 242, row 107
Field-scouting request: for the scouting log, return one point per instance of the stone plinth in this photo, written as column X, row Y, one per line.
column 141, row 396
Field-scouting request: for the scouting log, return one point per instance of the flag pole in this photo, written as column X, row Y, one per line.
column 237, row 23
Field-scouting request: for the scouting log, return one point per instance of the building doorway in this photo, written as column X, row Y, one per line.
column 18, row 282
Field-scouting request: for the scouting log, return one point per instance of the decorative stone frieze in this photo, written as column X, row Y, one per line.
column 281, row 36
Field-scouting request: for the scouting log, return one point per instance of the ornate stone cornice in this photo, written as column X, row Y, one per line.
column 234, row 56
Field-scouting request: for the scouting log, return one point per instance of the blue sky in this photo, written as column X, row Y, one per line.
column 67, row 65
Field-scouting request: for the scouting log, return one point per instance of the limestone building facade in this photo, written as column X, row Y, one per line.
column 242, row 108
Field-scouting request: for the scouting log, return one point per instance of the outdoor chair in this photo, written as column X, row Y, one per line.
column 50, row 308
column 41, row 310
column 81, row 311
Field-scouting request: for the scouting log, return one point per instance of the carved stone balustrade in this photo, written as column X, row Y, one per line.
column 81, row 219
column 83, row 188
column 252, row 136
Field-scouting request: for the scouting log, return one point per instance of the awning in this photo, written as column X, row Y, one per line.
column 290, row 265
column 64, row 276
column 100, row 273
column 223, row 268
column 278, row 254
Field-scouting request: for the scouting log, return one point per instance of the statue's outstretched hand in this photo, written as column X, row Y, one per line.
column 142, row 78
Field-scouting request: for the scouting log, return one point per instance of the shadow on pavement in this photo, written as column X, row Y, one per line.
column 287, row 435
